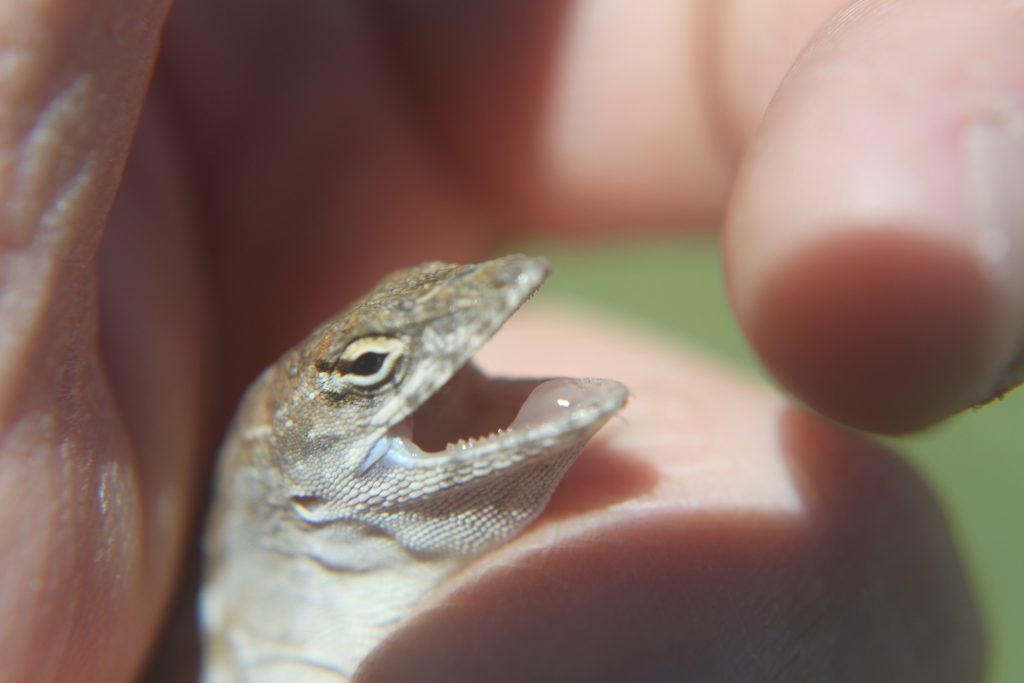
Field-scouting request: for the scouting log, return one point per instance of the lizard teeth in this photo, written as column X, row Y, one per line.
column 468, row 442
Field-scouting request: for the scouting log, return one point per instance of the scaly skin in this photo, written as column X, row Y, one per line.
column 328, row 523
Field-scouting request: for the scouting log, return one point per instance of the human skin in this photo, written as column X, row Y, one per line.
column 166, row 233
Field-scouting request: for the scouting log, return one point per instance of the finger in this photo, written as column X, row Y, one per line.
column 156, row 352
column 875, row 240
column 84, row 572
column 712, row 533
column 582, row 116
column 565, row 115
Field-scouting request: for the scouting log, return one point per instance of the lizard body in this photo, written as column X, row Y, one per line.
column 339, row 501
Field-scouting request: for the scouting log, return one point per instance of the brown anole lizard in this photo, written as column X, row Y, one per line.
column 343, row 491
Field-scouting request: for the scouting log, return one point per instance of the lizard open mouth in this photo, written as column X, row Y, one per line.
column 473, row 415
column 473, row 407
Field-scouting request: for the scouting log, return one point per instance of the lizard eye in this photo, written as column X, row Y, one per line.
column 365, row 363
column 368, row 364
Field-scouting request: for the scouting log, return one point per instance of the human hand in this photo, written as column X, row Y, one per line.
column 287, row 158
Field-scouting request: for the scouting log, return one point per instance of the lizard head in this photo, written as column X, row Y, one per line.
column 395, row 432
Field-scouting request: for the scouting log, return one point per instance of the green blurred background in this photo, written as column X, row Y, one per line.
column 674, row 285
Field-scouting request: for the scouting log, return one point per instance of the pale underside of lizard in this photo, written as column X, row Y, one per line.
column 344, row 492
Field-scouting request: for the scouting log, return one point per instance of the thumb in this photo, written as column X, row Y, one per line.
column 76, row 602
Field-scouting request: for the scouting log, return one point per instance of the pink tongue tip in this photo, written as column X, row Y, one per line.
column 549, row 398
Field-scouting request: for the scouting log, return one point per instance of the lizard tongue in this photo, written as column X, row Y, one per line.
column 550, row 398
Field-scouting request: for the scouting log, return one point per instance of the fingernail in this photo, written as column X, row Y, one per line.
column 994, row 147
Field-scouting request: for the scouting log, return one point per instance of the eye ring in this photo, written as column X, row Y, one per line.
column 366, row 363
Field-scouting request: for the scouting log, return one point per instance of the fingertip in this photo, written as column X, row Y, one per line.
column 881, row 331
column 875, row 237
